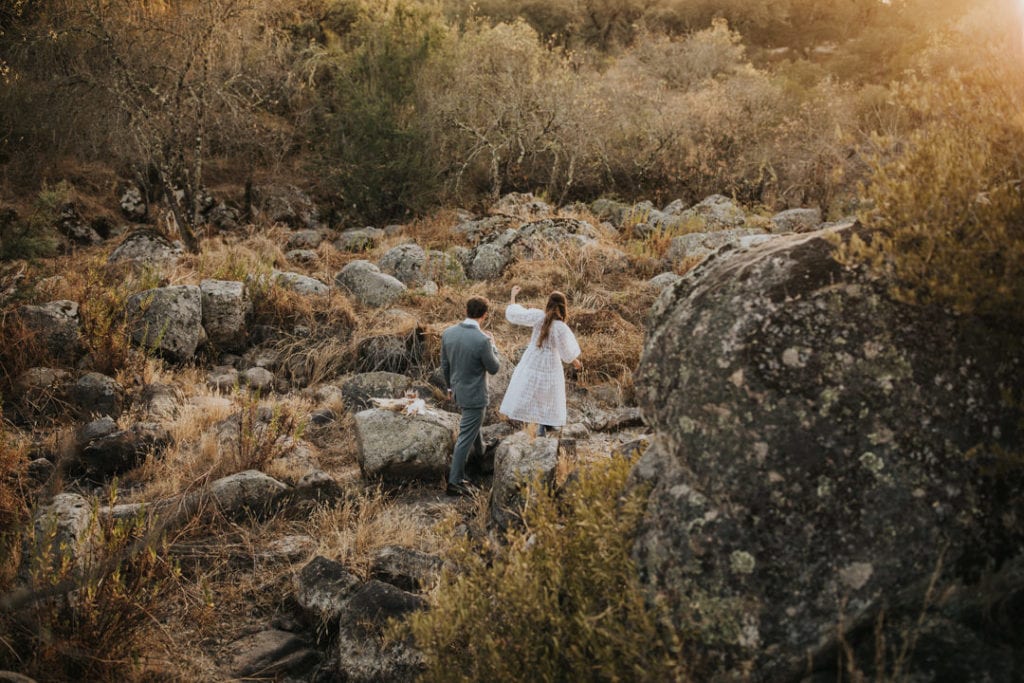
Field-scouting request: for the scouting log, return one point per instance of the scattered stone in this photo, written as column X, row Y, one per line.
column 405, row 568
column 796, row 220
column 273, row 654
column 322, row 590
column 226, row 310
column 716, row 213
column 43, row 392
column 40, row 470
column 223, row 378
column 60, row 530
column 359, row 240
column 702, row 244
column 287, row 205
column 406, row 263
column 133, row 204
column 304, row 240
column 257, row 379
column 160, row 401
column 399, row 447
column 97, row 394
column 304, row 257
column 71, row 225
column 520, row 459
column 368, row 285
column 167, row 320
column 146, row 246
column 663, row 281
column 297, row 282
column 357, row 390
column 54, row 325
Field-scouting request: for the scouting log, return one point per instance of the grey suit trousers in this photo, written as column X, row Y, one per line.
column 469, row 440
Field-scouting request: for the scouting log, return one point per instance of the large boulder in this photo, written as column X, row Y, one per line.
column 168, row 320
column 368, row 284
column 297, row 282
column 823, row 454
column 54, row 326
column 226, row 309
column 398, row 447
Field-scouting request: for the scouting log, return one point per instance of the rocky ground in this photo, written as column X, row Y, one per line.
column 226, row 397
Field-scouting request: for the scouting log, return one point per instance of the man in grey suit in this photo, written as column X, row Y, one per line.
column 467, row 355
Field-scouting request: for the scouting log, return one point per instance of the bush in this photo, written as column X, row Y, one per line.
column 947, row 222
column 35, row 236
column 370, row 149
column 561, row 601
column 89, row 620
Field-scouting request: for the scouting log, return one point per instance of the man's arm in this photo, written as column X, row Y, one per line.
column 489, row 357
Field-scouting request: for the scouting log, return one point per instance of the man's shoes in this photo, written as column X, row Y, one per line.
column 462, row 488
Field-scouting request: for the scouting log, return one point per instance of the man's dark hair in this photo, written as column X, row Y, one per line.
column 476, row 307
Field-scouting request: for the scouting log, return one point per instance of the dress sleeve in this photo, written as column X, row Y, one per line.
column 520, row 315
column 568, row 347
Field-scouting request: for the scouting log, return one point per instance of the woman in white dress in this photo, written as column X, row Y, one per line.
column 536, row 392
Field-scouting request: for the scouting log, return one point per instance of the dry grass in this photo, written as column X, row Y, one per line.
column 352, row 531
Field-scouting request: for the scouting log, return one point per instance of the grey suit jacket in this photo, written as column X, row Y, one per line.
column 466, row 358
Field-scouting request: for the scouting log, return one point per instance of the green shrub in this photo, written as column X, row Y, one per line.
column 560, row 601
column 35, row 236
column 370, row 150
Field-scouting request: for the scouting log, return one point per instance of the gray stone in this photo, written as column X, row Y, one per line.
column 304, row 240
column 444, row 268
column 167, row 320
column 523, row 206
column 322, row 590
column 54, row 325
column 272, row 654
column 250, row 490
column 133, row 204
column 60, row 530
column 398, row 447
column 357, row 390
column 808, row 461
column 359, row 240
column 287, row 205
column 406, row 263
column 363, row 655
column 664, row 280
column 715, row 213
column 226, row 311
column 406, row 568
column 146, row 246
column 489, row 260
column 370, row 287
column 160, row 401
column 297, row 282
column 796, row 220
column 97, row 394
column 257, row 379
column 520, row 459
column 42, row 392
column 305, row 257
column 223, row 378
column 702, row 244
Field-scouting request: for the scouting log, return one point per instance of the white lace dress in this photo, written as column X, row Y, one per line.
column 536, row 392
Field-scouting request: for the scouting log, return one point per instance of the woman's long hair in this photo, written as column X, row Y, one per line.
column 556, row 309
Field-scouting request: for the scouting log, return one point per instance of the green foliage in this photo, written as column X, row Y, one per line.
column 90, row 612
column 35, row 236
column 370, row 150
column 948, row 216
column 560, row 601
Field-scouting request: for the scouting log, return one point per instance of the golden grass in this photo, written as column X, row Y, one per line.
column 352, row 531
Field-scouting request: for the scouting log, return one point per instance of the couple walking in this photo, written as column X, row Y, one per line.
column 536, row 392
